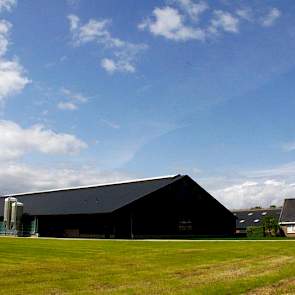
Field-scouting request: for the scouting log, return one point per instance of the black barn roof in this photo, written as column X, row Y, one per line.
column 90, row 200
column 288, row 211
column 254, row 217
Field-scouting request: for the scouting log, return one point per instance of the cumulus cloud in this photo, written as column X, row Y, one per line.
column 169, row 23
column 260, row 187
column 109, row 65
column 17, row 141
column 272, row 16
column 193, row 9
column 91, row 31
column 74, row 22
column 18, row 178
column 123, row 54
column 112, row 66
column 12, row 78
column 5, row 28
column 223, row 20
column 12, row 74
column 7, row 5
column 245, row 13
column 255, row 193
column 180, row 20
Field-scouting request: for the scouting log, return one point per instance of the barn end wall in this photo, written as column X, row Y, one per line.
column 181, row 209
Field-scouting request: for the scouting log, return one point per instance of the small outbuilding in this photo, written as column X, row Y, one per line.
column 287, row 218
column 171, row 206
column 253, row 217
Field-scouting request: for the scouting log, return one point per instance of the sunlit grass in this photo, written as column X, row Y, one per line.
column 35, row 266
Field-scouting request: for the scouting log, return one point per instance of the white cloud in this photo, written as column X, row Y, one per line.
column 74, row 96
column 109, row 65
column 12, row 79
column 7, row 5
column 73, row 100
column 169, row 23
column 17, row 141
column 112, row 66
column 124, row 54
column 193, row 9
column 62, row 105
column 246, row 189
column 12, row 76
column 223, row 20
column 5, row 28
column 74, row 22
column 245, row 13
column 180, row 20
column 17, row 178
column 271, row 17
column 250, row 194
column 91, row 31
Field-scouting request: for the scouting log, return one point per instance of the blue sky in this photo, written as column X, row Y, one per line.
column 96, row 91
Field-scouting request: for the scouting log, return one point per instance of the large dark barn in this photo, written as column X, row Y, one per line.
column 160, row 207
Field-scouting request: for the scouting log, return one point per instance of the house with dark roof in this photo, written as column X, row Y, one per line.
column 287, row 218
column 168, row 206
column 253, row 217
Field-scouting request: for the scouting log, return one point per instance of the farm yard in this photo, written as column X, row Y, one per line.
column 51, row 266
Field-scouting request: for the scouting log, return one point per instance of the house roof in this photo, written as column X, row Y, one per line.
column 288, row 211
column 254, row 217
column 90, row 199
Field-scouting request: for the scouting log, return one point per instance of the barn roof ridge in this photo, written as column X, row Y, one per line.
column 93, row 185
column 91, row 200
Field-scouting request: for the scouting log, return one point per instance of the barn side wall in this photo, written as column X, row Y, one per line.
column 181, row 209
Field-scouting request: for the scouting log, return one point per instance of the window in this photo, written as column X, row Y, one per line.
column 185, row 226
column 291, row 229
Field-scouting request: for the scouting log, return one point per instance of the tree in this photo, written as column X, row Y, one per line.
column 270, row 225
column 256, row 207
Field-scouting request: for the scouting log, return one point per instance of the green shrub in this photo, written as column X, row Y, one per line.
column 270, row 225
column 255, row 232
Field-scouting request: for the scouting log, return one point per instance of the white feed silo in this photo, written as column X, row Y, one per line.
column 17, row 209
column 7, row 211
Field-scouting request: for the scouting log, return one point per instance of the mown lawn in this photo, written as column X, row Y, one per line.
column 38, row 266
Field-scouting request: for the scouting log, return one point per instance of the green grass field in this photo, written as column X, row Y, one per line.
column 39, row 266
